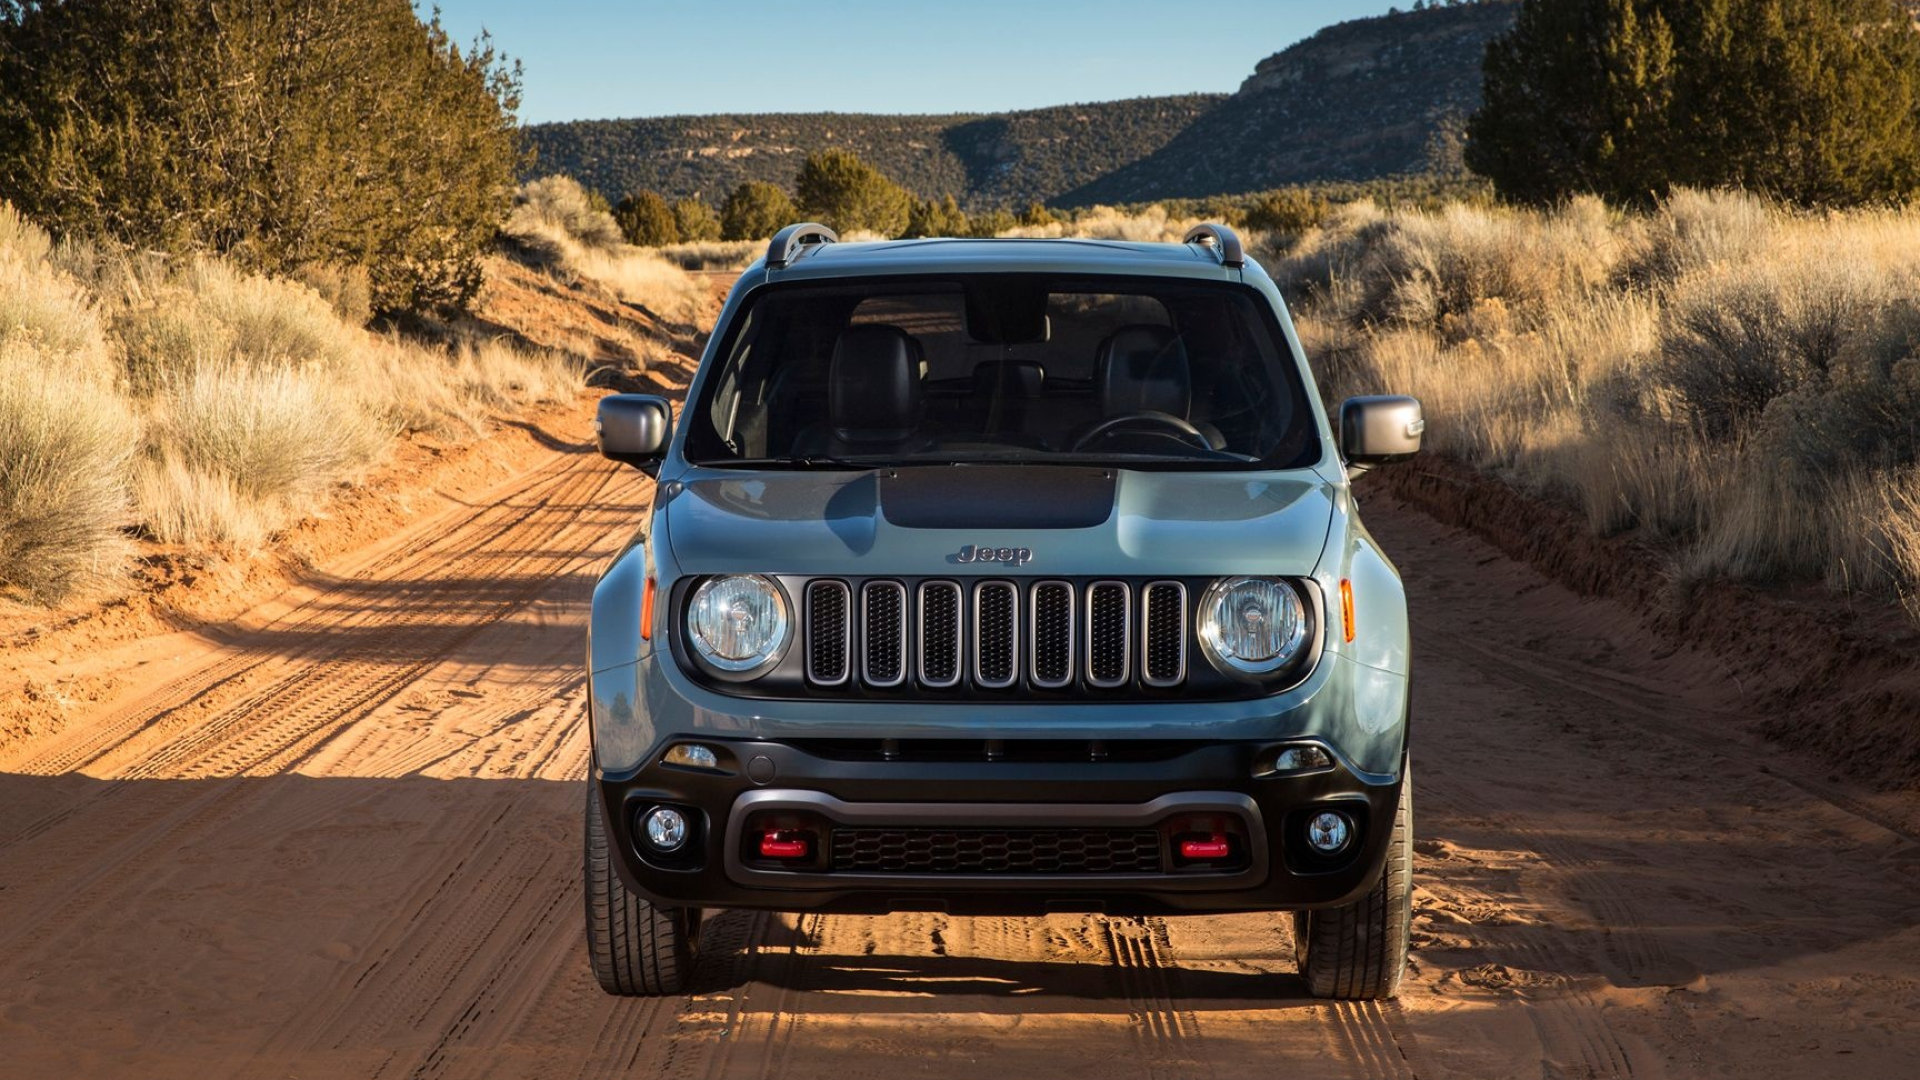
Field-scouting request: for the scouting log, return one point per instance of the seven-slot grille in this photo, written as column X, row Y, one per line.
column 995, row 634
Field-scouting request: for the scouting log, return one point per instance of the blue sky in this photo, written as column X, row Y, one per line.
column 589, row 59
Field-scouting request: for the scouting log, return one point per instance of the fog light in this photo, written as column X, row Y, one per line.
column 784, row 845
column 1299, row 758
column 692, row 756
column 1211, row 846
column 1328, row 831
column 666, row 828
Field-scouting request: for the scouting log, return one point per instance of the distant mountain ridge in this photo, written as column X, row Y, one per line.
column 1357, row 100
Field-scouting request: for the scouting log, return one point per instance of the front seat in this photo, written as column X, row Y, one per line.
column 1143, row 368
column 874, row 396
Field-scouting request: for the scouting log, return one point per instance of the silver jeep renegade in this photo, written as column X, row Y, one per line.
column 1001, row 577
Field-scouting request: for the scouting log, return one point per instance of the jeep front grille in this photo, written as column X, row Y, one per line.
column 995, row 634
column 829, row 632
column 912, row 850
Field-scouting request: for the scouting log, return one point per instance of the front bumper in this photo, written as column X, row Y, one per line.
column 798, row 784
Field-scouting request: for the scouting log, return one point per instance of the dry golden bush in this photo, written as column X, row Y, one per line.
column 554, row 221
column 1737, row 379
column 208, row 406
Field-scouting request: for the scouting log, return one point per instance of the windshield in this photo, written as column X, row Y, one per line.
column 1144, row 373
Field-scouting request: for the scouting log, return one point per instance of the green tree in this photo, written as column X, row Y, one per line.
column 943, row 218
column 341, row 132
column 695, row 220
column 646, row 220
column 1577, row 98
column 1036, row 214
column 755, row 211
column 1290, row 210
column 846, row 194
column 1814, row 101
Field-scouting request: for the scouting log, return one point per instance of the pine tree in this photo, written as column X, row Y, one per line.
column 755, row 211
column 1813, row 101
column 695, row 220
column 646, row 220
column 1576, row 99
column 846, row 194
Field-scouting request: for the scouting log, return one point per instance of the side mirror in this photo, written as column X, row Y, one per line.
column 633, row 429
column 1378, row 430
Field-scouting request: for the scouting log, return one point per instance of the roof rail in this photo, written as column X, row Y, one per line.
column 1220, row 238
column 787, row 243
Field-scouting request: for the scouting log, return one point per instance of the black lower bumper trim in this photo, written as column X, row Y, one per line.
column 1211, row 787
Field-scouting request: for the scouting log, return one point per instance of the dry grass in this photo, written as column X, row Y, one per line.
column 554, row 220
column 64, row 450
column 714, row 254
column 1735, row 379
column 204, row 405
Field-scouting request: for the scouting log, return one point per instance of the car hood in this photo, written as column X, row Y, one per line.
column 1032, row 520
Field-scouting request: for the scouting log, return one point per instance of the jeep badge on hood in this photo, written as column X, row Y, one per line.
column 1010, row 556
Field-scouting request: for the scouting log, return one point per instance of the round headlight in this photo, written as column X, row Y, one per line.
column 1253, row 625
column 737, row 623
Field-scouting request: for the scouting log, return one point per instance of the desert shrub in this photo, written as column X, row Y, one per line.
column 1285, row 210
column 65, row 441
column 280, row 135
column 714, row 254
column 278, row 435
column 694, row 221
column 1735, row 380
column 559, row 204
column 635, row 274
column 844, row 193
column 646, row 220
column 942, row 218
column 755, row 211
column 1036, row 214
column 346, row 289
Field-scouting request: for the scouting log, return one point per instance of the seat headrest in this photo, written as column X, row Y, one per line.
column 1008, row 379
column 1143, row 369
column 873, row 390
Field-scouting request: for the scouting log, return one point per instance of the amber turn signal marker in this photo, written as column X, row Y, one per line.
column 1346, row 605
column 646, row 614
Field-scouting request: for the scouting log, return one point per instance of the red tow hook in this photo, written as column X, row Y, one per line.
column 779, row 845
column 1213, row 847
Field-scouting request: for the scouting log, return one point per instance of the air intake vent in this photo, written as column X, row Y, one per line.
column 996, row 634
column 1109, row 633
column 940, row 634
column 883, row 633
column 829, row 632
column 1050, row 630
column 1163, row 622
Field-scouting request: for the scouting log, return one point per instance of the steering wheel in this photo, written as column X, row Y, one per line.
column 1157, row 423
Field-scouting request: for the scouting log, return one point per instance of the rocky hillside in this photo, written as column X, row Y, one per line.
column 1357, row 100
column 995, row 159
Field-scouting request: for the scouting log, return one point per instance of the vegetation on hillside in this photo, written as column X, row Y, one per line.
column 985, row 160
column 197, row 404
column 1813, row 101
column 341, row 132
column 1723, row 376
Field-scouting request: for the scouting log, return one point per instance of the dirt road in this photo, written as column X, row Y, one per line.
column 341, row 840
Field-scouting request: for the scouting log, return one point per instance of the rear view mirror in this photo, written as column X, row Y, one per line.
column 633, row 429
column 1378, row 430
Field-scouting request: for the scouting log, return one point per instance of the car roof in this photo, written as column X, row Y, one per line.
column 938, row 256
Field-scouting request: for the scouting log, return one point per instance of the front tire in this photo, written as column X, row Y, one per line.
column 637, row 948
column 1357, row 952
